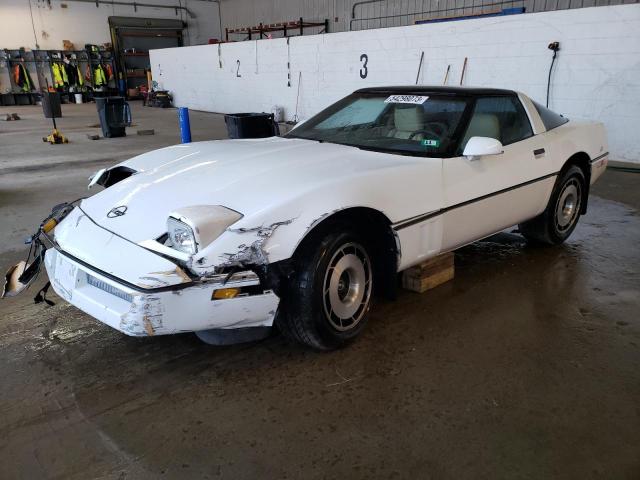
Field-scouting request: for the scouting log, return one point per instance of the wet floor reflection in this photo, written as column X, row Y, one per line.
column 496, row 373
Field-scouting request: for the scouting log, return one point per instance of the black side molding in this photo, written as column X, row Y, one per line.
column 599, row 157
column 426, row 216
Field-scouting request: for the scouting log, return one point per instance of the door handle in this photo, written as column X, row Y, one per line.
column 538, row 152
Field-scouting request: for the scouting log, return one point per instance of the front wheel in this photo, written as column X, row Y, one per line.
column 557, row 222
column 329, row 298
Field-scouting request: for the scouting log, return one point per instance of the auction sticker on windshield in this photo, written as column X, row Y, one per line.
column 414, row 99
column 430, row 143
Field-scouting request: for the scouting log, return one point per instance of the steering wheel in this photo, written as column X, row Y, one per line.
column 436, row 129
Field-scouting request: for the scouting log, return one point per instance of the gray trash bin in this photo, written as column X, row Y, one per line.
column 115, row 115
column 51, row 105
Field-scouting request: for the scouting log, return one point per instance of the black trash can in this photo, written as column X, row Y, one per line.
column 115, row 115
column 251, row 125
column 51, row 105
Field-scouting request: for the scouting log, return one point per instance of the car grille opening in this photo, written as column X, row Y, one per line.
column 105, row 287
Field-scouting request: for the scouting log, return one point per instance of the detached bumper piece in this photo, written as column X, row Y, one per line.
column 160, row 311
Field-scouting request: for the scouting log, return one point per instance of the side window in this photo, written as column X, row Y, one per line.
column 502, row 118
column 549, row 119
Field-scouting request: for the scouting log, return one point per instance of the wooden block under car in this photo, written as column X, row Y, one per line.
column 429, row 274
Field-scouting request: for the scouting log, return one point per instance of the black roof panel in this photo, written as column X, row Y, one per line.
column 422, row 89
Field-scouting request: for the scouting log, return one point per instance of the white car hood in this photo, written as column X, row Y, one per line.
column 245, row 175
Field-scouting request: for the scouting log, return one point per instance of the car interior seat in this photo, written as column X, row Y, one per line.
column 482, row 125
column 407, row 121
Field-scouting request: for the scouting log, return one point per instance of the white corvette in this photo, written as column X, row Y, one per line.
column 228, row 237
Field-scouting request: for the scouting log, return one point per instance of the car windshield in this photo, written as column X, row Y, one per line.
column 423, row 125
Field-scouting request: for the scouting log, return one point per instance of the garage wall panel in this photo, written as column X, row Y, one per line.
column 379, row 14
column 596, row 74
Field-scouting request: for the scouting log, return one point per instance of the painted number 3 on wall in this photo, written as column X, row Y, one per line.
column 364, row 70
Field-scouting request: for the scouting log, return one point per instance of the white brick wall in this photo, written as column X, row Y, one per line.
column 597, row 74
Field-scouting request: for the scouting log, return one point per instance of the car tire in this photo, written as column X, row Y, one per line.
column 330, row 294
column 557, row 222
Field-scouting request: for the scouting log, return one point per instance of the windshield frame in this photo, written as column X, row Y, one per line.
column 450, row 152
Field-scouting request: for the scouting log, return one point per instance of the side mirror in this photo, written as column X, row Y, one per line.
column 477, row 147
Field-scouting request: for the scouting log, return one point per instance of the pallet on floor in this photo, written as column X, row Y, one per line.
column 429, row 274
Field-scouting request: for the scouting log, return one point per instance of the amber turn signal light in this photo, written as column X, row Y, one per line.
column 49, row 225
column 223, row 293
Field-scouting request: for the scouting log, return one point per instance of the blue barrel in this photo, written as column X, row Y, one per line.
column 185, row 126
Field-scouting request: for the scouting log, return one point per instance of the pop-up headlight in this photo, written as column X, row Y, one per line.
column 181, row 236
column 190, row 228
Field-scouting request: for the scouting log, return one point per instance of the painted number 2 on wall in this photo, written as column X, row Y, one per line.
column 364, row 58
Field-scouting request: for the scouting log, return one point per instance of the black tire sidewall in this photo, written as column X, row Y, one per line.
column 557, row 235
column 308, row 301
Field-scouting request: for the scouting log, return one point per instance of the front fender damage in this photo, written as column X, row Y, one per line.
column 253, row 253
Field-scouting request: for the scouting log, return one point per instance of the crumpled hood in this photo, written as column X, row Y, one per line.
column 244, row 175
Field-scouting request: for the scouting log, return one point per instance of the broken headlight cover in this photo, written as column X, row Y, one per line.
column 96, row 177
column 181, row 236
column 202, row 223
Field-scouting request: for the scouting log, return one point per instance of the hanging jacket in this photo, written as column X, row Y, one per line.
column 80, row 77
column 59, row 75
column 63, row 71
column 72, row 74
column 22, row 78
column 109, row 71
column 99, row 77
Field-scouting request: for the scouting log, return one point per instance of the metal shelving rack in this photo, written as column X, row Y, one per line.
column 136, row 65
column 10, row 93
column 39, row 63
column 285, row 27
column 103, row 57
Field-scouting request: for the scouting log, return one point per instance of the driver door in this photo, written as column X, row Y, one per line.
column 486, row 194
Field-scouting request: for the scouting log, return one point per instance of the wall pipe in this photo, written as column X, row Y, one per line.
column 136, row 5
column 357, row 4
column 219, row 15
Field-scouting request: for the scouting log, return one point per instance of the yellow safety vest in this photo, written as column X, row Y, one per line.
column 57, row 71
column 99, row 77
column 80, row 77
column 63, row 70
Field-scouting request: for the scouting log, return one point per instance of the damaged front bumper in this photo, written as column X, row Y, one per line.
column 160, row 311
column 137, row 291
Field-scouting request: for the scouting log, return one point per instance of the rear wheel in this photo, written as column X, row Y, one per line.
column 329, row 298
column 557, row 222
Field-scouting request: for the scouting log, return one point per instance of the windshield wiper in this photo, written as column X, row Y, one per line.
column 392, row 151
column 303, row 138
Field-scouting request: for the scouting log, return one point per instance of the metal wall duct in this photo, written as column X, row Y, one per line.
column 135, row 5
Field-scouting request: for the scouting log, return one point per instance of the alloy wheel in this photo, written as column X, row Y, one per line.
column 347, row 286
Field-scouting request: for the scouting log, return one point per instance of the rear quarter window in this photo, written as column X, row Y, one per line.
column 549, row 119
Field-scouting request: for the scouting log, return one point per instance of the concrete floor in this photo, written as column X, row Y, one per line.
column 526, row 365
